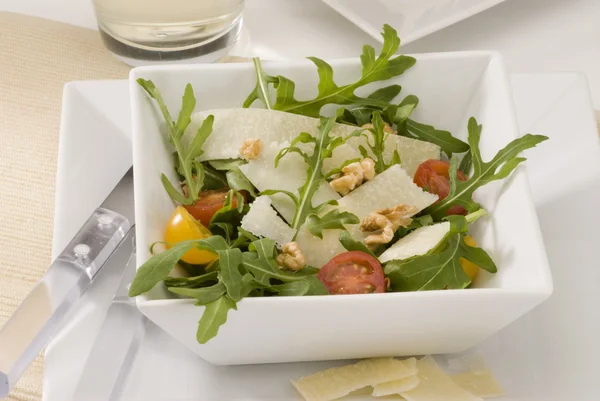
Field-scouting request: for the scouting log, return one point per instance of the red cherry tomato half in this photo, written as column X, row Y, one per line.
column 432, row 176
column 353, row 272
column 208, row 203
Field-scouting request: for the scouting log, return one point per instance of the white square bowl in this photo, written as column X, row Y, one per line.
column 451, row 88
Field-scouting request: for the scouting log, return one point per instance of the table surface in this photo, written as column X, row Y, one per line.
column 533, row 35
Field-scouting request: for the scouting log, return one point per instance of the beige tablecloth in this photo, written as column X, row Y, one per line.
column 36, row 58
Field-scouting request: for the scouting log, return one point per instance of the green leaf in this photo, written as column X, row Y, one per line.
column 429, row 272
column 424, row 132
column 291, row 195
column 195, row 148
column 261, row 90
column 173, row 192
column 214, row 316
column 191, row 170
column 466, row 163
column 250, row 285
column 324, row 145
column 441, row 268
column 350, row 244
column 213, row 178
column 399, row 114
column 204, row 295
column 417, row 222
column 505, row 161
column 244, row 239
column 333, row 219
column 237, row 180
column 192, row 282
column 225, row 230
column 339, row 170
column 260, row 261
column 229, row 263
column 293, row 289
column 380, row 68
column 386, row 94
column 228, row 213
column 157, row 268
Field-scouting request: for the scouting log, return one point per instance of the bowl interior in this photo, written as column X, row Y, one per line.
column 451, row 87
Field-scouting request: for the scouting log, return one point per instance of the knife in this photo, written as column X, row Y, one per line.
column 115, row 347
column 35, row 321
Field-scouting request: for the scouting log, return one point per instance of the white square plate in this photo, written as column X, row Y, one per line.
column 413, row 19
column 549, row 355
column 451, row 87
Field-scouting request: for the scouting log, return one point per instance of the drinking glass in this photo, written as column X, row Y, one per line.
column 141, row 32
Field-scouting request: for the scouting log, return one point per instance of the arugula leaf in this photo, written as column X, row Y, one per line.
column 417, row 222
column 466, row 163
column 295, row 288
column 500, row 167
column 424, row 132
column 323, row 147
column 350, row 244
column 192, row 282
column 260, row 261
column 243, row 239
column 158, row 267
column 376, row 141
column 204, row 295
column 228, row 213
column 213, row 178
column 374, row 69
column 214, row 316
column 333, row 219
column 229, row 263
column 235, row 178
column 191, row 170
column 440, row 268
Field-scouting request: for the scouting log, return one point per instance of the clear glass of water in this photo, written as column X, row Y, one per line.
column 141, row 32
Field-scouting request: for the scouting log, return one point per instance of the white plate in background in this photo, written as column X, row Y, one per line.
column 413, row 19
column 551, row 354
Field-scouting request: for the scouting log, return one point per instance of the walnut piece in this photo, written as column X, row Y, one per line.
column 291, row 257
column 353, row 175
column 386, row 128
column 387, row 222
column 251, row 148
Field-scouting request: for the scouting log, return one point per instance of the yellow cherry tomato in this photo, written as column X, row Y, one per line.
column 183, row 227
column 470, row 268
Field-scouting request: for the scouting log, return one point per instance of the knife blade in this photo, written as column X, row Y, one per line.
column 35, row 321
column 115, row 346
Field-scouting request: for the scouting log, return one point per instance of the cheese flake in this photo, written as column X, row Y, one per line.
column 334, row 383
column 263, row 221
column 418, row 242
column 436, row 385
column 410, row 381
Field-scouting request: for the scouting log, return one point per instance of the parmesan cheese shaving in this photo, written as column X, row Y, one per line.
column 289, row 175
column 435, row 385
column 418, row 242
column 233, row 126
column 263, row 221
column 480, row 383
column 388, row 189
column 397, row 386
column 334, row 383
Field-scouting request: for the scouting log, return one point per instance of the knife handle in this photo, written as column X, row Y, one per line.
column 43, row 310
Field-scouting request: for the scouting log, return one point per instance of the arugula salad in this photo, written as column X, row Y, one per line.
column 299, row 202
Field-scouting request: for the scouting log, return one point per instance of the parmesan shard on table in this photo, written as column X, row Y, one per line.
column 337, row 382
column 263, row 221
column 408, row 382
column 436, row 385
